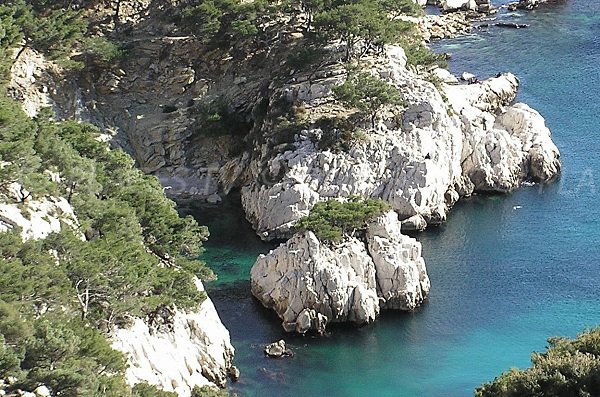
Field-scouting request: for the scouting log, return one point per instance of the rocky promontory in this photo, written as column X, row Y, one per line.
column 310, row 283
column 450, row 141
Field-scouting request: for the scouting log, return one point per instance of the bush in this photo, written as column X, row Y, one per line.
column 338, row 134
column 417, row 54
column 568, row 368
column 331, row 220
column 368, row 94
column 206, row 391
column 102, row 50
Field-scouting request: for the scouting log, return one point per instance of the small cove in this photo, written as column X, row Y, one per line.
column 507, row 271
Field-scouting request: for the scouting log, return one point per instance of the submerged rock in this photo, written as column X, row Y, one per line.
column 310, row 284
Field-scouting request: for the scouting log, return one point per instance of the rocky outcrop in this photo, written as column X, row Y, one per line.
column 442, row 148
column 531, row 4
column 278, row 349
column 194, row 350
column 310, row 284
column 499, row 152
column 483, row 6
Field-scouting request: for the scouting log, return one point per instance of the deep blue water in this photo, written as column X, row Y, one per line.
column 507, row 271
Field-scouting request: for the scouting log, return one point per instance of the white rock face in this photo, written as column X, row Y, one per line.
column 197, row 351
column 310, row 284
column 439, row 150
column 24, row 86
column 400, row 271
column 452, row 5
column 36, row 218
column 542, row 155
column 500, row 151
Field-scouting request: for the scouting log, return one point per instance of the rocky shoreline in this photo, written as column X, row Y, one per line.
column 447, row 141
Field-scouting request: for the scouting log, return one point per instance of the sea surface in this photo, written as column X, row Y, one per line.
column 507, row 271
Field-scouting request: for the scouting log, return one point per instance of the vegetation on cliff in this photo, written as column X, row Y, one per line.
column 568, row 368
column 130, row 254
column 331, row 220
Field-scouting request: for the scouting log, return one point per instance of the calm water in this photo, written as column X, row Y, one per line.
column 507, row 271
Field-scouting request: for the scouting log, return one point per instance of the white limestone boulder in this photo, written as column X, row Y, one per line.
column 310, row 283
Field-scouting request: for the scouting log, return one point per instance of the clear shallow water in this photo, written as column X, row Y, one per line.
column 507, row 271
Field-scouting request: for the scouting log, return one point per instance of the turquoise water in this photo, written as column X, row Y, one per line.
column 507, row 271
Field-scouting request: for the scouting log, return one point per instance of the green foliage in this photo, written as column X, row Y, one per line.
column 147, row 390
column 55, row 29
column 419, row 54
column 204, row 19
column 363, row 25
column 130, row 254
column 331, row 220
column 569, row 368
column 101, row 50
column 206, row 391
column 338, row 134
column 63, row 354
column 54, row 34
column 10, row 36
column 368, row 94
column 225, row 21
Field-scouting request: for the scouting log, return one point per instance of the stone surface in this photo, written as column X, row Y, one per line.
column 452, row 5
column 310, row 284
column 278, row 349
column 36, row 218
column 443, row 148
column 195, row 351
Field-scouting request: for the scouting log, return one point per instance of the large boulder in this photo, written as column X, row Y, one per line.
column 310, row 283
column 483, row 6
column 453, row 5
column 502, row 146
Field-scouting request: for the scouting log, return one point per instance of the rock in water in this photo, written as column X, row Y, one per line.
column 310, row 283
column 447, row 145
column 278, row 349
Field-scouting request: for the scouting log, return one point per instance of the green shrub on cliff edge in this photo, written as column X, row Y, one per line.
column 569, row 368
column 368, row 94
column 331, row 220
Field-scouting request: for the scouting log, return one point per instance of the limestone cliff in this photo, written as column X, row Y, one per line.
column 193, row 350
column 309, row 283
column 448, row 141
